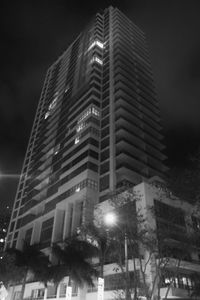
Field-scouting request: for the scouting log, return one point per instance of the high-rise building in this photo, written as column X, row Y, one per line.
column 96, row 129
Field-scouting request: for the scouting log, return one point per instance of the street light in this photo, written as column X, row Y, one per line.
column 110, row 219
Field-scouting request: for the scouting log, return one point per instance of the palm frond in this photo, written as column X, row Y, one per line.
column 73, row 257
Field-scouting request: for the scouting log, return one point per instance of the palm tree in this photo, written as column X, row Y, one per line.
column 9, row 272
column 30, row 258
column 99, row 237
column 74, row 261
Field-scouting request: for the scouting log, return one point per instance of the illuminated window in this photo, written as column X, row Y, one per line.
column 95, row 111
column 67, row 88
column 78, row 189
column 76, row 140
column 167, row 280
column 46, row 115
column 91, row 110
column 196, row 223
column 80, row 127
column 56, row 149
column 85, row 114
column 96, row 59
column 52, row 105
column 184, row 280
column 96, row 43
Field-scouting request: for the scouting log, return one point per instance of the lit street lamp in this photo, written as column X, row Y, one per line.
column 111, row 220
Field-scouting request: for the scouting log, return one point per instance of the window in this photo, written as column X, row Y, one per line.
column 37, row 294
column 95, row 111
column 92, row 110
column 105, row 132
column 96, row 59
column 105, row 103
column 104, row 155
column 183, row 281
column 105, row 122
column 116, row 281
column 56, row 149
column 169, row 213
column 80, row 126
column 104, row 183
column 77, row 140
column 74, row 289
column 17, row 203
column 94, row 288
column 46, row 231
column 92, row 184
column 67, row 88
column 52, row 105
column 105, row 143
column 79, row 214
column 105, row 112
column 14, row 214
column 196, row 223
column 46, row 115
column 17, row 295
column 96, row 43
column 51, row 291
column 84, row 115
column 28, row 235
column 63, row 287
column 104, row 167
column 71, row 210
column 12, row 226
column 16, row 234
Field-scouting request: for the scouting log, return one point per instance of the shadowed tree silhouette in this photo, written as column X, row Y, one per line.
column 195, row 293
column 183, row 181
column 9, row 272
column 74, row 261
column 101, row 239
column 16, row 264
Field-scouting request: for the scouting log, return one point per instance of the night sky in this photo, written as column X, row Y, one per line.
column 35, row 33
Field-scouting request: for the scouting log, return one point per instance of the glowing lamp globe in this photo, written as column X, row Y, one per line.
column 110, row 219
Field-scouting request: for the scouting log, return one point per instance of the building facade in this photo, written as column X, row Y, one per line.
column 96, row 129
column 178, row 270
column 169, row 261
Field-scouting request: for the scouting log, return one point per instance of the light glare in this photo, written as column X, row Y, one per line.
column 110, row 219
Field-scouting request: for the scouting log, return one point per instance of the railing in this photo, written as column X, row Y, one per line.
column 50, row 296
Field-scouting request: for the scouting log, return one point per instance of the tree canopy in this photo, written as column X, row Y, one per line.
column 183, row 181
column 74, row 261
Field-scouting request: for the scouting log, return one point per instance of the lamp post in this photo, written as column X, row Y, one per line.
column 111, row 220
